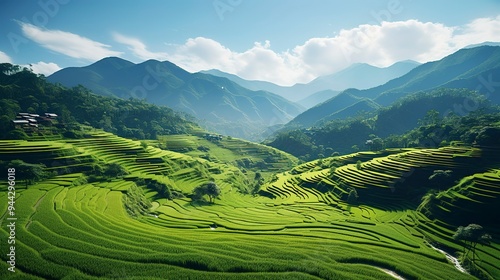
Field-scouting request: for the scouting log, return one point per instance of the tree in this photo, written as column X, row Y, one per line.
column 258, row 181
column 441, row 178
column 211, row 189
column 375, row 143
column 471, row 235
column 16, row 134
column 115, row 170
column 162, row 189
column 29, row 172
column 353, row 196
column 430, row 118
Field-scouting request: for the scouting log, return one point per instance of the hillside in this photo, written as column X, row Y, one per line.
column 467, row 68
column 317, row 98
column 219, row 104
column 341, row 80
column 21, row 91
column 420, row 119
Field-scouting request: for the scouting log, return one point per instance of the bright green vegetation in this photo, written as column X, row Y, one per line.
column 251, row 158
column 79, row 225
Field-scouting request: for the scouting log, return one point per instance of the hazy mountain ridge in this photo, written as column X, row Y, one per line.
column 221, row 105
column 341, row 80
column 467, row 68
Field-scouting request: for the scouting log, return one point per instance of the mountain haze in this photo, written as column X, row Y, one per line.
column 473, row 68
column 221, row 105
column 348, row 78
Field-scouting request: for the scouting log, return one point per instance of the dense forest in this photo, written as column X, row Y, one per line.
column 23, row 91
column 423, row 119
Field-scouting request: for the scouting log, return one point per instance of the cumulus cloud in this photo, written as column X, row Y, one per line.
column 478, row 31
column 256, row 63
column 67, row 43
column 4, row 58
column 376, row 44
column 138, row 48
column 44, row 68
column 379, row 45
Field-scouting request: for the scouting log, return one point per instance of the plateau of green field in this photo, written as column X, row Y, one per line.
column 292, row 221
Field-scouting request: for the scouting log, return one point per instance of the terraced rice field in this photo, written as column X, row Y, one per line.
column 302, row 229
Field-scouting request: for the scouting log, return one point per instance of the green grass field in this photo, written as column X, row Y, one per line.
column 299, row 226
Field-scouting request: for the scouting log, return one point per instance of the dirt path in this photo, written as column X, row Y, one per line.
column 391, row 273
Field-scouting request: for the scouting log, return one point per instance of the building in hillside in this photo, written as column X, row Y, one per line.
column 32, row 121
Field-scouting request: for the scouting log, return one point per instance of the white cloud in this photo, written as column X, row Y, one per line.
column 377, row 44
column 4, row 58
column 67, row 43
column 256, row 63
column 138, row 48
column 44, row 68
column 478, row 31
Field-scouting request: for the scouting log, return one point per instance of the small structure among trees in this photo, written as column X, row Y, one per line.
column 31, row 122
column 213, row 137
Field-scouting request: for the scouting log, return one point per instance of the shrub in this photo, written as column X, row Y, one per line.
column 115, row 170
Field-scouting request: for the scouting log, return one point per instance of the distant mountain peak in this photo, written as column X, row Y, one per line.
column 221, row 104
column 487, row 43
column 461, row 69
column 114, row 61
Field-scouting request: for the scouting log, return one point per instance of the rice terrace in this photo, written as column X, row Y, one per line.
column 298, row 226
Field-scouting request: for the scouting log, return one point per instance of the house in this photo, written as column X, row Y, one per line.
column 20, row 123
column 50, row 115
column 212, row 137
column 28, row 120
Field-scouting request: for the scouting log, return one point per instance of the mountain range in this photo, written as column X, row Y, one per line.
column 219, row 104
column 325, row 87
column 471, row 68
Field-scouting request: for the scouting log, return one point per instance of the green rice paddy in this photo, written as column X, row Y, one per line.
column 299, row 226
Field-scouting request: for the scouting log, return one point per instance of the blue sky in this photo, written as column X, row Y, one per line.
column 282, row 41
